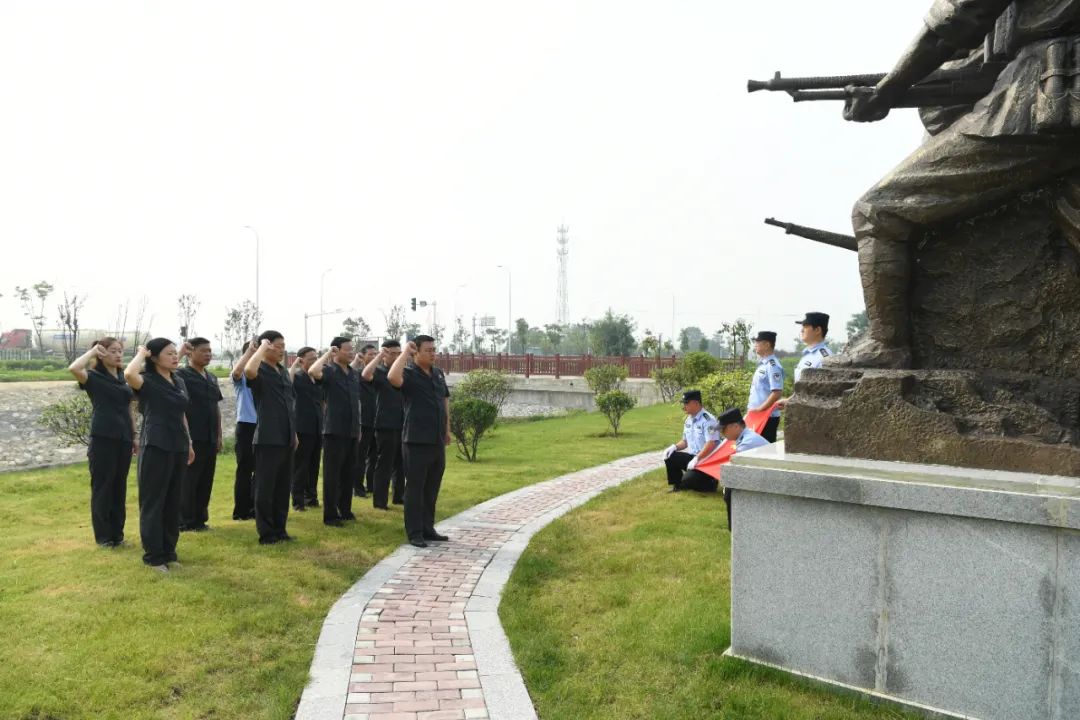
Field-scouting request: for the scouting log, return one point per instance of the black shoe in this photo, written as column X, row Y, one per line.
column 675, row 488
column 435, row 536
column 106, row 544
column 286, row 537
column 398, row 502
column 314, row 502
column 269, row 540
column 349, row 516
column 418, row 543
column 334, row 523
column 200, row 528
column 299, row 508
column 380, row 507
column 359, row 493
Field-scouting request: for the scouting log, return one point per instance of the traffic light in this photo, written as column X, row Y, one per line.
column 414, row 304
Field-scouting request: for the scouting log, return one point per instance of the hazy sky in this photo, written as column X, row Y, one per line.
column 412, row 147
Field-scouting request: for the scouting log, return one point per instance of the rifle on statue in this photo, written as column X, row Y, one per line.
column 847, row 242
column 940, row 89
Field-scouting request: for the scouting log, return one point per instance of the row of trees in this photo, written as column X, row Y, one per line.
column 611, row 335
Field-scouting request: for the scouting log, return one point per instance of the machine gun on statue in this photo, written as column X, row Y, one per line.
column 940, row 89
column 847, row 242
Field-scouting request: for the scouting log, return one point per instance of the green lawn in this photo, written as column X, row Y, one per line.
column 620, row 611
column 91, row 633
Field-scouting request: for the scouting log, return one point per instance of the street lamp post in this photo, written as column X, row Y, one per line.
column 256, row 266
column 509, row 308
column 322, row 278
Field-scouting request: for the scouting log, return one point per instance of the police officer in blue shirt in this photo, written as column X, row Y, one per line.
column 733, row 429
column 767, row 385
column 815, row 326
column 246, row 418
column 699, row 438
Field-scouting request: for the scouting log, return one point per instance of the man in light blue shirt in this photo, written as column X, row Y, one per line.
column 815, row 326
column 733, row 429
column 243, row 487
column 767, row 385
column 698, row 439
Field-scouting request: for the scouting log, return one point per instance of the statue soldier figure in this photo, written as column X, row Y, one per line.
column 1023, row 134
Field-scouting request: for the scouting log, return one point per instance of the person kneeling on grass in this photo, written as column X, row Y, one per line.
column 732, row 428
column 698, row 440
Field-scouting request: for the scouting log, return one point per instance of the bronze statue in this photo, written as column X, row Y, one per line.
column 1023, row 133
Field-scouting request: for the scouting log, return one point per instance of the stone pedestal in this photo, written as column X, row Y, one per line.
column 951, row 590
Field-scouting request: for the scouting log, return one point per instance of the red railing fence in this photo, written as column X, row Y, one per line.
column 548, row 365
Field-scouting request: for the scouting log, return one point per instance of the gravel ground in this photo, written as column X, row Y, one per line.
column 24, row 445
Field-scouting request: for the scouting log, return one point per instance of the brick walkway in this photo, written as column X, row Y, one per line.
column 422, row 626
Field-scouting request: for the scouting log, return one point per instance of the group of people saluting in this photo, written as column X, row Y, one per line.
column 376, row 416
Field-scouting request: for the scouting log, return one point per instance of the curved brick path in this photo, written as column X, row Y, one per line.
column 418, row 637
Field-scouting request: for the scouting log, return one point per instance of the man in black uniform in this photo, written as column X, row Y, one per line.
column 389, row 419
column 204, row 424
column 425, row 437
column 341, row 428
column 366, row 453
column 275, row 436
column 305, row 489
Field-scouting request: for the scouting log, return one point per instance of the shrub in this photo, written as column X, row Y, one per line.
column 606, row 378
column 614, row 404
column 491, row 386
column 470, row 418
column 725, row 389
column 668, row 381
column 694, row 366
column 69, row 419
column 44, row 365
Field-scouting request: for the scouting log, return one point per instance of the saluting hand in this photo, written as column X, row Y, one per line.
column 296, row 363
column 100, row 352
column 142, row 352
column 264, row 344
column 186, row 349
column 410, row 348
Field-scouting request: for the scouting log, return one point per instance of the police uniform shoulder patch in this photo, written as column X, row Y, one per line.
column 772, row 361
column 824, row 351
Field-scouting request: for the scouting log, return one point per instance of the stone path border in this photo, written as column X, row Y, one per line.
column 419, row 638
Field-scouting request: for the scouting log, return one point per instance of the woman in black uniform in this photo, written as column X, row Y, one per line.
column 111, row 432
column 165, row 448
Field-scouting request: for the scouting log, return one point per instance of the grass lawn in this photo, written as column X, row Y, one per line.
column 91, row 633
column 620, row 611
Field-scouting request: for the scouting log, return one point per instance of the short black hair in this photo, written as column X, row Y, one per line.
column 198, row 341
column 421, row 339
column 339, row 341
column 304, row 351
column 367, row 347
column 271, row 335
column 391, row 343
column 245, row 346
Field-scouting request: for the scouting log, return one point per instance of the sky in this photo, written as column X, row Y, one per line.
column 391, row 150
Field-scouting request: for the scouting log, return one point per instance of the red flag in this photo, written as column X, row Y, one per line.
column 722, row 453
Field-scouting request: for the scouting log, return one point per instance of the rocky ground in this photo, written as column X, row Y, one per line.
column 24, row 444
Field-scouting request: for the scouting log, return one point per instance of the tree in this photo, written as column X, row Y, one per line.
column 395, row 322
column 241, row 324
column 141, row 334
column 521, row 330
column 69, row 419
column 460, row 340
column 411, row 330
column 650, row 344
column 554, row 333
column 668, row 382
column 496, row 338
column 120, row 323
column 612, row 335
column 703, row 344
column 614, row 404
column 33, row 300
column 858, row 324
column 690, row 338
column 356, row 329
column 737, row 335
column 187, row 308
column 605, row 378
column 68, row 312
column 470, row 418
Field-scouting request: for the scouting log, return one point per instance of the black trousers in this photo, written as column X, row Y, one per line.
column 339, row 466
column 424, row 466
column 244, row 487
column 676, row 466
column 161, row 474
column 388, row 467
column 273, row 476
column 197, row 487
column 366, row 456
column 769, row 431
column 697, row 480
column 110, row 462
column 305, row 473
column 727, row 502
